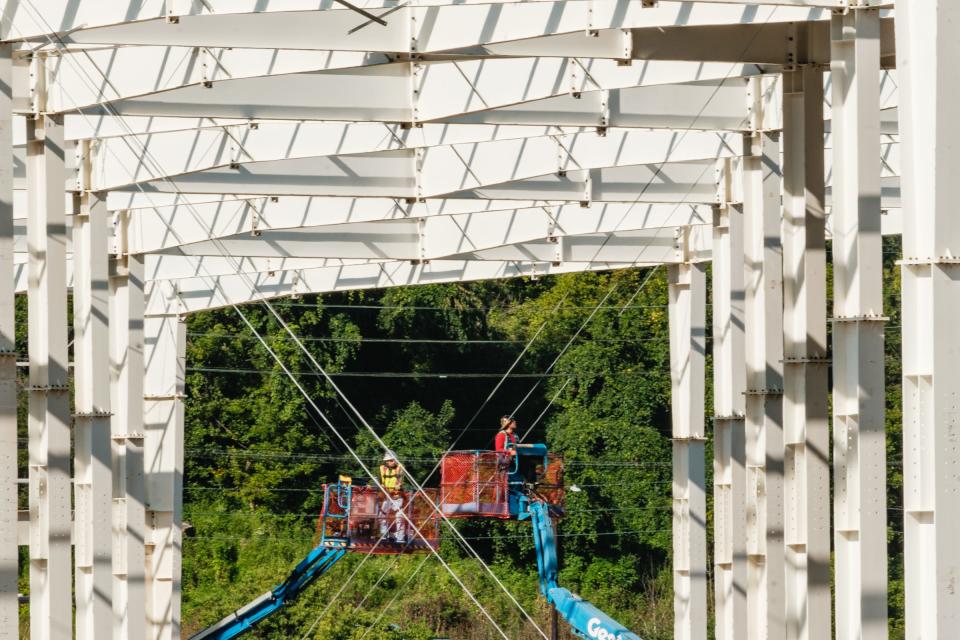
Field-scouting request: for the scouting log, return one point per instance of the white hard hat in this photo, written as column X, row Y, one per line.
column 388, row 456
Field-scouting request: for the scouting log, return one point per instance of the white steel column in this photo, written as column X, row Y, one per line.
column 687, row 286
column 8, row 364
column 805, row 406
column 729, row 445
column 51, row 601
column 93, row 482
column 764, row 396
column 165, row 343
column 859, row 447
column 928, row 56
column 127, row 368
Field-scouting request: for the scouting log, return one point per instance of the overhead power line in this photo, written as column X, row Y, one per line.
column 421, row 374
column 285, row 455
column 376, row 307
column 504, row 537
column 361, row 340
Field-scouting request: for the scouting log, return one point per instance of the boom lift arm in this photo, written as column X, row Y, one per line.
column 309, row 569
column 586, row 619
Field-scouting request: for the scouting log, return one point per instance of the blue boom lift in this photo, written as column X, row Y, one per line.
column 475, row 484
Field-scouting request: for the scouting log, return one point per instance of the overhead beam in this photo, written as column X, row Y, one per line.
column 447, row 169
column 442, row 27
column 121, row 162
column 443, row 88
column 201, row 293
column 439, row 236
column 99, row 24
column 653, row 246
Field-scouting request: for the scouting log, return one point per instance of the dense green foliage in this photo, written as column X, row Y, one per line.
column 258, row 453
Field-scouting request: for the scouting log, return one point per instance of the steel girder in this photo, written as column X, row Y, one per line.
column 430, row 26
column 206, row 292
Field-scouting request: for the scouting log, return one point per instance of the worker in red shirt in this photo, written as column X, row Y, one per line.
column 506, row 441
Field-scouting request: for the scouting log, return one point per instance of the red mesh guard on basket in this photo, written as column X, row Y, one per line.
column 550, row 484
column 474, row 483
column 376, row 523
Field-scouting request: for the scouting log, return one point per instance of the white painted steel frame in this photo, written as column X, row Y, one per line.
column 126, row 291
column 859, row 443
column 483, row 90
column 687, row 305
column 805, row 360
column 93, row 459
column 729, row 386
column 764, row 394
column 51, row 610
column 9, row 467
column 164, row 387
column 928, row 55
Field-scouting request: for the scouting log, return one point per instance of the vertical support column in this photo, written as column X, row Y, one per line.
column 729, row 445
column 127, row 368
column 687, row 284
column 928, row 55
column 165, row 344
column 764, row 396
column 93, row 482
column 9, row 555
column 51, row 602
column 859, row 446
column 805, row 410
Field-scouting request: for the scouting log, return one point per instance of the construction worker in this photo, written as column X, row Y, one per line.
column 506, row 441
column 391, row 506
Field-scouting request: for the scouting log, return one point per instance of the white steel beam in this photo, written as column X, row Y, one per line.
column 204, row 292
column 435, row 29
column 928, row 55
column 440, row 236
column 688, row 182
column 651, row 246
column 729, row 387
column 860, row 517
column 165, row 344
column 73, row 21
column 139, row 71
column 132, row 159
column 645, row 246
column 764, row 395
column 172, row 267
column 9, row 552
column 93, row 466
column 805, row 364
column 126, row 292
column 450, row 168
column 766, row 44
column 51, row 602
column 688, row 296
column 443, row 88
